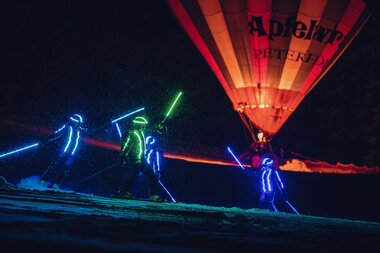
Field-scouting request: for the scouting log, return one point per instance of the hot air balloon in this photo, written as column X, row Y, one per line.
column 269, row 54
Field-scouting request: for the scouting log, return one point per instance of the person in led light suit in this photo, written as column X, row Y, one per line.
column 153, row 152
column 133, row 159
column 60, row 167
column 271, row 185
column 154, row 155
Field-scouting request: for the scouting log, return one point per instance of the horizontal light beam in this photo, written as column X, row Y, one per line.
column 18, row 150
column 127, row 115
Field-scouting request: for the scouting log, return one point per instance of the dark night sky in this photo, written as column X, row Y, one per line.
column 101, row 59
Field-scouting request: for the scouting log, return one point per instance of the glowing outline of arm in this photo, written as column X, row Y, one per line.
column 174, row 103
column 279, row 179
column 59, row 130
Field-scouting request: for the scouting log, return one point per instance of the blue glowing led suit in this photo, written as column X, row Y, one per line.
column 272, row 188
column 71, row 130
column 153, row 155
column 60, row 167
column 270, row 178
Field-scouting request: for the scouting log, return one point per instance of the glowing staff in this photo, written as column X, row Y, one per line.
column 149, row 154
column 19, row 150
column 118, row 129
column 76, row 143
column 59, row 130
column 127, row 115
column 163, row 186
column 287, row 202
column 172, row 106
column 69, row 139
column 237, row 160
column 268, row 181
column 272, row 202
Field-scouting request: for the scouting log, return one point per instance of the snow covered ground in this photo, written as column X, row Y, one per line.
column 51, row 221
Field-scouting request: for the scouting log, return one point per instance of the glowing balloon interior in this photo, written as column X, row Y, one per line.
column 268, row 54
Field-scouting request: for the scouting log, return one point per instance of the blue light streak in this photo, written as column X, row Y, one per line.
column 279, row 179
column 149, row 154
column 268, row 181
column 20, row 149
column 59, row 130
column 74, row 119
column 263, row 180
column 76, row 143
column 167, row 191
column 118, row 129
column 287, row 202
column 127, row 115
column 158, row 161
column 233, row 155
column 69, row 140
column 147, row 139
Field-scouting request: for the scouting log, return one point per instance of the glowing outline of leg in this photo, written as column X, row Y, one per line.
column 275, row 209
column 18, row 150
column 118, row 129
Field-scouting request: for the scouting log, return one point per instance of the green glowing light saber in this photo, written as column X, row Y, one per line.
column 172, row 106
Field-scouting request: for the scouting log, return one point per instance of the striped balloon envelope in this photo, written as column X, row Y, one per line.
column 269, row 54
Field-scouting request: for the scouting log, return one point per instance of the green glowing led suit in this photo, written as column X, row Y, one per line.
column 133, row 146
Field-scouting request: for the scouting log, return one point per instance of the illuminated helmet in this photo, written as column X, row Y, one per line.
column 77, row 118
column 140, row 121
column 267, row 162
